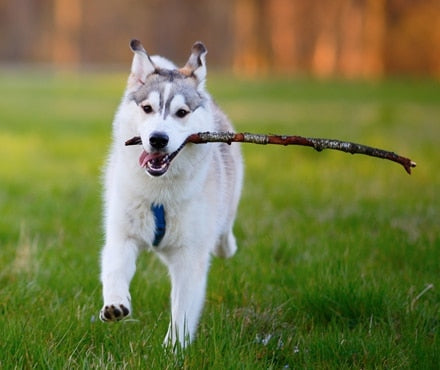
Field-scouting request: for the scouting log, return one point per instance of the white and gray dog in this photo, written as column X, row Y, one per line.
column 179, row 202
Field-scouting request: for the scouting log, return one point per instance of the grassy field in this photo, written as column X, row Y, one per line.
column 339, row 258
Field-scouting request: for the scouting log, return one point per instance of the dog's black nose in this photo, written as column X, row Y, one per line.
column 159, row 140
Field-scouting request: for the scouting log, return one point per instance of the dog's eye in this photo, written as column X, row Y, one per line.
column 147, row 108
column 181, row 113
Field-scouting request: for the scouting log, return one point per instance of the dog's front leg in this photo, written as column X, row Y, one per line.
column 188, row 272
column 118, row 264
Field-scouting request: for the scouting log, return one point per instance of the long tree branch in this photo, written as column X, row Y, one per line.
column 316, row 143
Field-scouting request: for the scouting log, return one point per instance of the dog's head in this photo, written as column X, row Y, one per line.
column 170, row 104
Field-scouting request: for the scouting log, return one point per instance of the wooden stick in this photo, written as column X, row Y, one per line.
column 316, row 143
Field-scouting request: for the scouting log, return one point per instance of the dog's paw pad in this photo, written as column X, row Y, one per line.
column 114, row 313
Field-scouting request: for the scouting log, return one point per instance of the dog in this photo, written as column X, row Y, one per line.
column 179, row 202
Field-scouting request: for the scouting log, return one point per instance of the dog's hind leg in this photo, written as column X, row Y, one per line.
column 118, row 264
column 188, row 271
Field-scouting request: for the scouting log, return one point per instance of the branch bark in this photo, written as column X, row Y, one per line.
column 316, row 143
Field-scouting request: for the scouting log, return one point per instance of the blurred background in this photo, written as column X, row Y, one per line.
column 348, row 38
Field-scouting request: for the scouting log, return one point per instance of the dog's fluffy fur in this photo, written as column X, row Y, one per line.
column 199, row 189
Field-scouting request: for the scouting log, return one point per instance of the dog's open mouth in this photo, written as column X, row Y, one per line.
column 156, row 164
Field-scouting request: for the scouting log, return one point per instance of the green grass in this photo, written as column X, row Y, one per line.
column 339, row 258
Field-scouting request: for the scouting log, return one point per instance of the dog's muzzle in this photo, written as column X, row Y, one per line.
column 157, row 162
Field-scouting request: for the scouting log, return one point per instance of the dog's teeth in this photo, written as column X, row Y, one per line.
column 156, row 164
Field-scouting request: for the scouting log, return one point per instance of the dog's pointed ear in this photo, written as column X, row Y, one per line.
column 196, row 64
column 141, row 66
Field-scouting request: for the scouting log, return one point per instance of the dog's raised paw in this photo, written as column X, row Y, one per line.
column 113, row 313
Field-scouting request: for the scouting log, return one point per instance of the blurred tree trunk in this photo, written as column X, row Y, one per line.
column 250, row 37
column 351, row 48
column 283, row 40
column 350, row 38
column 67, row 22
column 325, row 52
column 374, row 38
column 412, row 37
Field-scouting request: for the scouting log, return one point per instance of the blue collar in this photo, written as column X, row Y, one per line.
column 159, row 223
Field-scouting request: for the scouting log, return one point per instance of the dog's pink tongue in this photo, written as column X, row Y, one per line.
column 145, row 157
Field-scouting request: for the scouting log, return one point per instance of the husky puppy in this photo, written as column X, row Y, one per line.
column 179, row 202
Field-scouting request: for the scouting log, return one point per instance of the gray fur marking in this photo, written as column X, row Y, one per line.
column 181, row 85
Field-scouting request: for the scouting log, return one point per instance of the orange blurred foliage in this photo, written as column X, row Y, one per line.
column 349, row 38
